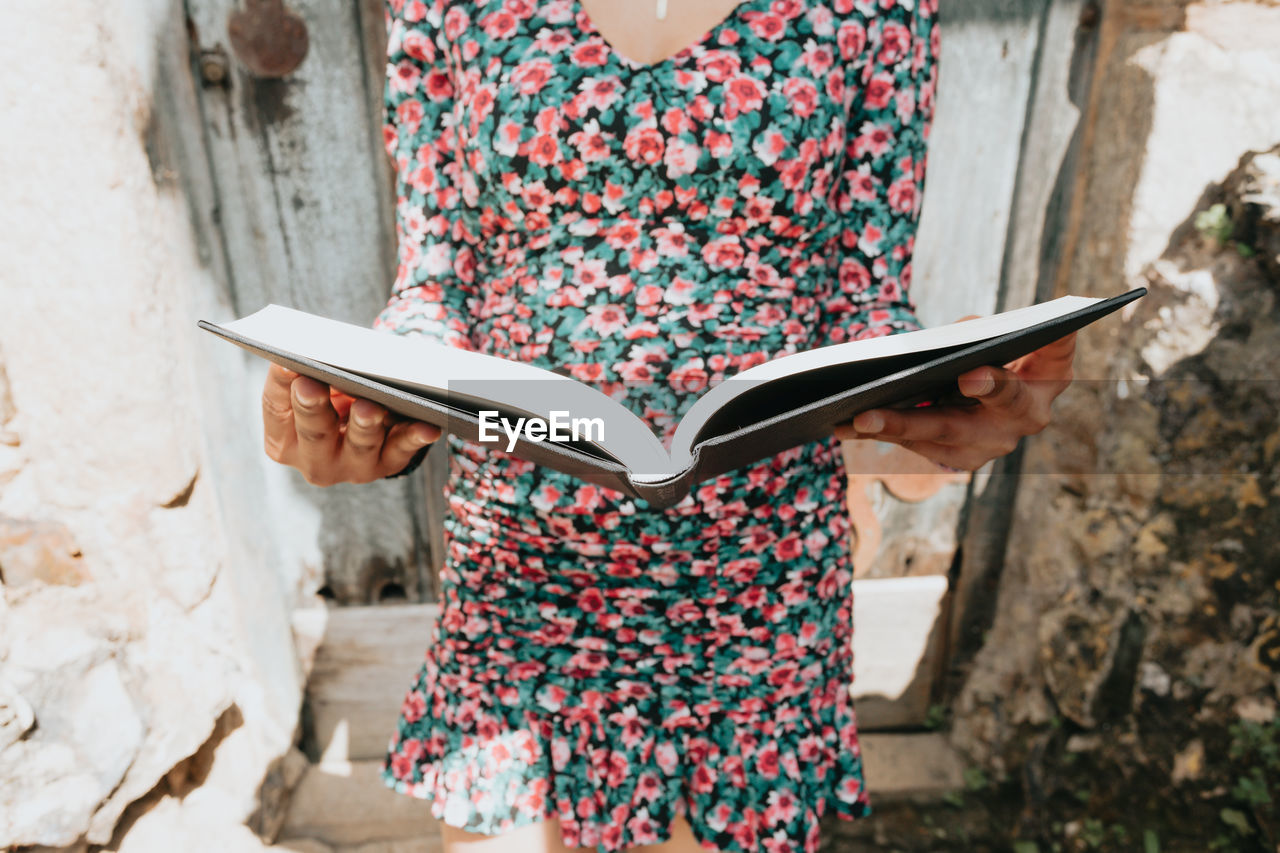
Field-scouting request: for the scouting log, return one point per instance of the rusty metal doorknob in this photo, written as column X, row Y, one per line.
column 267, row 38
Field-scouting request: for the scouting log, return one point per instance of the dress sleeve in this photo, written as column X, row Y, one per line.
column 434, row 289
column 891, row 60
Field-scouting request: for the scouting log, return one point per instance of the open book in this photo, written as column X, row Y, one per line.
column 570, row 426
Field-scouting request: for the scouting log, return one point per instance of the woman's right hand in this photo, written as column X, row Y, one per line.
column 303, row 429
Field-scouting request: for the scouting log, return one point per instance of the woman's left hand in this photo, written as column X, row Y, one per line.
column 1012, row 401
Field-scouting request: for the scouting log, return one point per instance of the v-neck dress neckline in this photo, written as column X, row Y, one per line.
column 583, row 20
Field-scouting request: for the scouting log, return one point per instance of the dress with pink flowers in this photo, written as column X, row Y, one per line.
column 650, row 229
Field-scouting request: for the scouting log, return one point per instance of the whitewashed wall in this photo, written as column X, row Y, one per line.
column 150, row 558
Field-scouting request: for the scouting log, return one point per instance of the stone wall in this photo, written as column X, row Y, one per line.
column 141, row 651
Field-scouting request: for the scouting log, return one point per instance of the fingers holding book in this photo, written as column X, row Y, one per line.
column 1005, row 404
column 331, row 437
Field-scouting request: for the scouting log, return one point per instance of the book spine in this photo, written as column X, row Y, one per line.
column 666, row 494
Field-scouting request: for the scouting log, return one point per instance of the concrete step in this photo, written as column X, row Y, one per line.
column 344, row 805
column 899, row 626
column 403, row 845
column 919, row 765
column 367, row 657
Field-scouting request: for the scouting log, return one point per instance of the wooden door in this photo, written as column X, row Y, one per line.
column 304, row 206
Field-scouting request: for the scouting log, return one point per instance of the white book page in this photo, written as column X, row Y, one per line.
column 431, row 366
column 923, row 340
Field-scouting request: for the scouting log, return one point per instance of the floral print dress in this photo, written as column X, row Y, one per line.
column 650, row 229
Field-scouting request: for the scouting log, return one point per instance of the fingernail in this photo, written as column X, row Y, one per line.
column 868, row 422
column 985, row 387
column 420, row 437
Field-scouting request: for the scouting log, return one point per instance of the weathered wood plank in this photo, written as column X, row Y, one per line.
column 296, row 166
column 372, row 33
column 345, row 803
column 1033, row 256
column 369, row 656
column 1046, row 163
column 984, row 77
column 305, row 211
column 366, row 660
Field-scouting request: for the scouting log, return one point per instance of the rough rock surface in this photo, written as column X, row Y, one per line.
column 123, row 638
column 1126, row 694
column 1144, row 558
